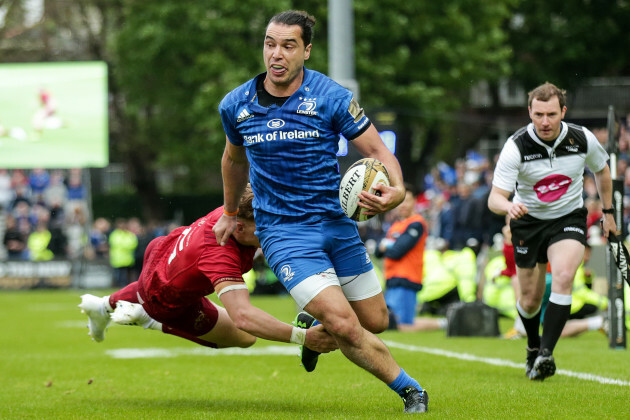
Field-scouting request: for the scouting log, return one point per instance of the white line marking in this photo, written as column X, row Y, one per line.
column 503, row 362
column 136, row 353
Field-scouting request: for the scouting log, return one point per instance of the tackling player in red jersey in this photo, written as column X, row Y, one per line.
column 180, row 270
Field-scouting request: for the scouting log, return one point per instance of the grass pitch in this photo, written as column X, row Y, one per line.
column 50, row 369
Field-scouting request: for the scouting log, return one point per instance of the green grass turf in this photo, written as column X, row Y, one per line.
column 49, row 368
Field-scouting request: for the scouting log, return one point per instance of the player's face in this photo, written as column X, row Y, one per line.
column 284, row 53
column 547, row 117
column 244, row 233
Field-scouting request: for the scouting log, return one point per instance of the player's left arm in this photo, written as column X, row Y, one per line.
column 369, row 144
column 603, row 180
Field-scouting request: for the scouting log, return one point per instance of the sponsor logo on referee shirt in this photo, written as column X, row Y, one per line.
column 573, row 229
column 552, row 187
column 533, row 156
column 572, row 148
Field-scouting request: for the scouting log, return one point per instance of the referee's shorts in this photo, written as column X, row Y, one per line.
column 531, row 236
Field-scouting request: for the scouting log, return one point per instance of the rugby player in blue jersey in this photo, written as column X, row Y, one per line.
column 282, row 129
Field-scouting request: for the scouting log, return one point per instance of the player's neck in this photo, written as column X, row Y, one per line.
column 283, row 91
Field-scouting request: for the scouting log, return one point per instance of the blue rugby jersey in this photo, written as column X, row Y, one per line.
column 292, row 149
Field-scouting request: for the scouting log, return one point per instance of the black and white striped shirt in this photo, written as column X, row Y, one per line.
column 548, row 176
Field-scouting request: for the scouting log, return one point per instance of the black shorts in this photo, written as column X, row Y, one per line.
column 531, row 236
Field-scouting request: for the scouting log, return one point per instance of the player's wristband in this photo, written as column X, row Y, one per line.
column 298, row 336
column 608, row 211
column 227, row 213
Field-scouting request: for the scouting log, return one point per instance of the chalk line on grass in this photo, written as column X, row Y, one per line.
column 141, row 353
column 138, row 353
column 503, row 362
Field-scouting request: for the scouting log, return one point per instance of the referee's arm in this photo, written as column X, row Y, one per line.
column 499, row 203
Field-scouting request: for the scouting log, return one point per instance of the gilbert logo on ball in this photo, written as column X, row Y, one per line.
column 363, row 175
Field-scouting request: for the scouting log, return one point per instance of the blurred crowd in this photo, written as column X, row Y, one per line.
column 44, row 214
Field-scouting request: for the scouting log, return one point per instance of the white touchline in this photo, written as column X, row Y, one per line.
column 139, row 353
column 503, row 362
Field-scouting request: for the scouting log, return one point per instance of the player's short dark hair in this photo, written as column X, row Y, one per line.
column 297, row 17
column 245, row 207
column 545, row 92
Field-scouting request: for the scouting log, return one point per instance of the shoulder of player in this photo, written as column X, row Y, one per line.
column 580, row 133
column 321, row 85
column 519, row 135
column 239, row 94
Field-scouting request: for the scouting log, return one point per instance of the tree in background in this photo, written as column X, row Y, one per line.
column 172, row 62
column 568, row 41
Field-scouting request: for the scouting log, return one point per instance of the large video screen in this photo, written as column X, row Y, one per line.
column 53, row 115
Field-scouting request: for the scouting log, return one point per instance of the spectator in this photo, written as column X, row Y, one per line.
column 463, row 217
column 38, row 242
column 122, row 245
column 19, row 179
column 76, row 192
column 38, row 180
column 439, row 284
column 99, row 238
column 74, row 230
column 22, row 213
column 57, row 192
column 21, row 195
column 403, row 249
column 14, row 240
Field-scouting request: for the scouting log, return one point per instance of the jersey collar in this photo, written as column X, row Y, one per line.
column 251, row 92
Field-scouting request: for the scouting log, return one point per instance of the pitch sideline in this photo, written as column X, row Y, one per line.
column 503, row 362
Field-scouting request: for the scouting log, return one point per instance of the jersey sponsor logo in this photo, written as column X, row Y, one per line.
column 244, row 115
column 280, row 135
column 573, row 229
column 521, row 249
column 307, row 107
column 573, row 149
column 552, row 187
column 355, row 110
column 533, row 156
column 286, row 273
column 275, row 123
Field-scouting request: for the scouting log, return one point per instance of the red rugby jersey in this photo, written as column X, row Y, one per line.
column 189, row 263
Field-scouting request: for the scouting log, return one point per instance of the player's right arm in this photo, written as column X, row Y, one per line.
column 260, row 324
column 504, row 181
column 370, row 145
column 499, row 203
column 234, row 169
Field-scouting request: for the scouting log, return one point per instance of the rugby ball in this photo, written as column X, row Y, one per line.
column 363, row 175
